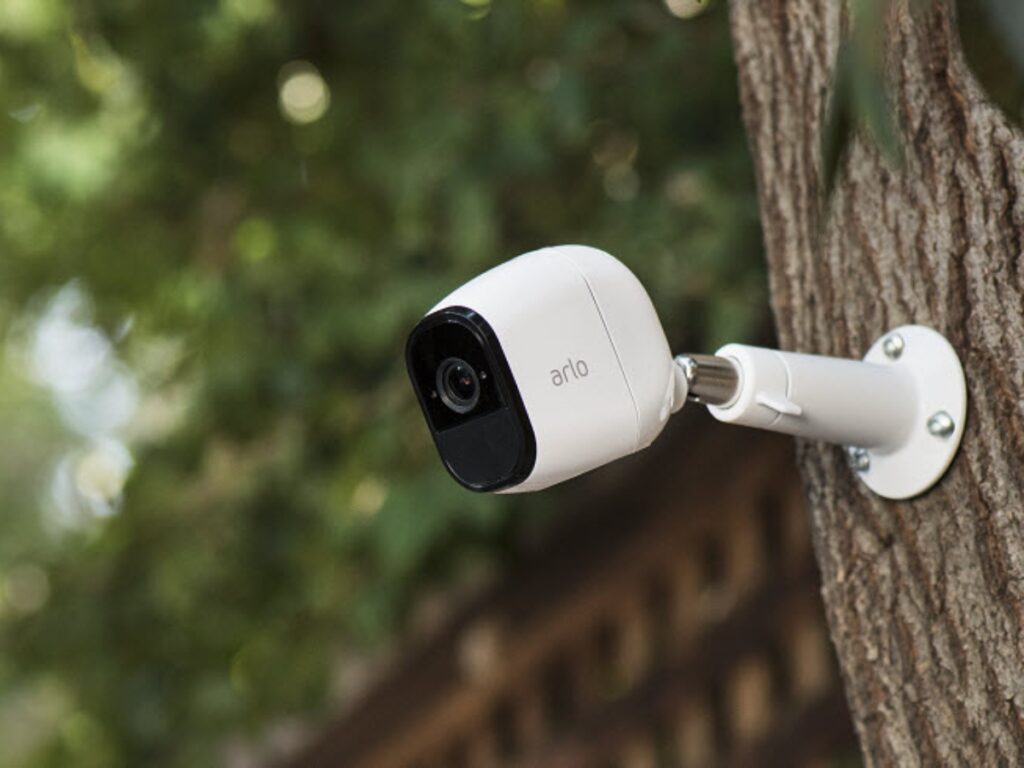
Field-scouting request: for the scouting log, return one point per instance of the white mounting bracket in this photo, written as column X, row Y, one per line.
column 900, row 411
column 931, row 443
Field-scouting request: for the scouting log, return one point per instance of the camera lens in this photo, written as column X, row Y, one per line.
column 458, row 385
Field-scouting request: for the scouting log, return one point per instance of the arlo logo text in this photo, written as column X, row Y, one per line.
column 571, row 370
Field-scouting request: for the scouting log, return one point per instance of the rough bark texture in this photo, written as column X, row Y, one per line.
column 925, row 598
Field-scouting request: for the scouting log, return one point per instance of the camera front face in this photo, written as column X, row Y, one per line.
column 470, row 400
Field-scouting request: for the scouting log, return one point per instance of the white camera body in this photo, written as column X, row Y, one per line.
column 586, row 356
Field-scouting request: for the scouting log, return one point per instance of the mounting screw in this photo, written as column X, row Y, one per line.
column 859, row 459
column 941, row 424
column 893, row 346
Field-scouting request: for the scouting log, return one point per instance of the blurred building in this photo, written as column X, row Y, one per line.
column 671, row 618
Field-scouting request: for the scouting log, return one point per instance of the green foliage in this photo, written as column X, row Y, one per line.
column 859, row 98
column 1007, row 19
column 219, row 221
column 992, row 32
column 993, row 38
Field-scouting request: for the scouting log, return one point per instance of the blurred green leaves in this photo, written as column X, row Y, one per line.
column 1007, row 18
column 249, row 202
column 859, row 99
column 256, row 200
column 993, row 38
column 992, row 32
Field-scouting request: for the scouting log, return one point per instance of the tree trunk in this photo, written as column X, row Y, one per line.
column 925, row 598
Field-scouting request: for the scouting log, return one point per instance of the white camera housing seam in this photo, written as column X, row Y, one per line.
column 555, row 363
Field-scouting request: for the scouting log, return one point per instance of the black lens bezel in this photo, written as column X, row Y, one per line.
column 429, row 344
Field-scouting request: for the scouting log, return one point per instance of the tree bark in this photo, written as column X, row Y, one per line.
column 925, row 598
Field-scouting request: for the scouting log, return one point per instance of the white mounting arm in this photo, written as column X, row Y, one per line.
column 900, row 411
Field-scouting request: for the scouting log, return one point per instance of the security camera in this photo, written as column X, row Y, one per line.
column 542, row 368
column 555, row 363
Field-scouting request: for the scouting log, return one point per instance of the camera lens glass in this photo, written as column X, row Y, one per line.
column 458, row 385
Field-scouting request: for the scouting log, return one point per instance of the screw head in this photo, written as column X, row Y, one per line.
column 859, row 459
column 941, row 424
column 893, row 346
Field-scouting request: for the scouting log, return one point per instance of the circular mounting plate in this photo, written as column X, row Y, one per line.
column 938, row 377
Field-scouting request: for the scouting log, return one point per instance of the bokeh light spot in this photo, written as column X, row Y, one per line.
column 250, row 11
column 621, row 182
column 369, row 496
column 687, row 9
column 27, row 588
column 302, row 93
column 101, row 473
column 26, row 19
column 478, row 9
column 28, row 113
column 544, row 74
column 255, row 239
column 685, row 188
column 616, row 148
